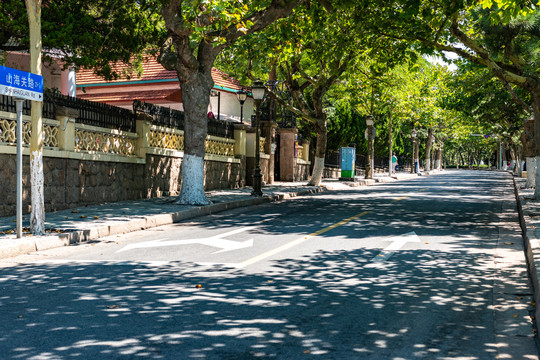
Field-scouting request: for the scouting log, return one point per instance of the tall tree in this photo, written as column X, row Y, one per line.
column 37, row 215
column 312, row 51
column 197, row 33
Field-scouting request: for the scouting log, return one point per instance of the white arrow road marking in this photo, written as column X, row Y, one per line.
column 215, row 241
column 397, row 243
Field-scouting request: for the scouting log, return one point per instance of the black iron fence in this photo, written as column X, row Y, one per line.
column 161, row 116
column 220, row 128
column 175, row 119
column 113, row 117
column 7, row 104
column 333, row 159
column 96, row 114
column 90, row 113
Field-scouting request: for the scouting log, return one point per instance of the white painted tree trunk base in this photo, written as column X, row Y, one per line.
column 37, row 215
column 317, row 174
column 192, row 192
column 437, row 164
column 517, row 169
column 531, row 172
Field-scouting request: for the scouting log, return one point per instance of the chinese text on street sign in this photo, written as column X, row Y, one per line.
column 21, row 84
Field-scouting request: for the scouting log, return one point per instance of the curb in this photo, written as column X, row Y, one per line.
column 26, row 246
column 533, row 262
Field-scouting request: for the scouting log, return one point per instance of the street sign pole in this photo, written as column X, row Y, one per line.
column 19, row 106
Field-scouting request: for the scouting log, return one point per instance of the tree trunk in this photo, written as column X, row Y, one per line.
column 413, row 159
column 527, row 139
column 504, row 158
column 429, row 142
column 519, row 160
column 531, row 172
column 320, row 151
column 390, row 169
column 322, row 135
column 195, row 94
column 417, row 155
column 513, row 159
column 438, row 162
column 535, row 97
column 37, row 215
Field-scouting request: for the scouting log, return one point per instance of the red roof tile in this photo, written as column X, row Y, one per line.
column 152, row 70
column 129, row 95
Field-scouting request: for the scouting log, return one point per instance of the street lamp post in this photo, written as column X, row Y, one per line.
column 241, row 95
column 257, row 89
column 413, row 164
column 369, row 164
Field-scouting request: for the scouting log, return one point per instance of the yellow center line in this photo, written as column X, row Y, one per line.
column 298, row 241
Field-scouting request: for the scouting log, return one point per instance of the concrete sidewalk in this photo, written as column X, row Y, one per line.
column 97, row 221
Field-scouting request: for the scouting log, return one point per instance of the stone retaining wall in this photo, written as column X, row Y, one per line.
column 331, row 173
column 71, row 183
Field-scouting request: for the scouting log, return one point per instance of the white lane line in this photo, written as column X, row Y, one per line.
column 214, row 241
column 396, row 243
column 298, row 241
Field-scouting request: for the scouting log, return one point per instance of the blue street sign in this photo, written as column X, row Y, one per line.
column 21, row 84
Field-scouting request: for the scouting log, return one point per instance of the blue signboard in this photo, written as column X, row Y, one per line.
column 21, row 84
column 348, row 157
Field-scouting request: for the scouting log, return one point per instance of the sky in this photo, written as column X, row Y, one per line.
column 439, row 60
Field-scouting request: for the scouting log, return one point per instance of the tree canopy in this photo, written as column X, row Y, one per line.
column 337, row 61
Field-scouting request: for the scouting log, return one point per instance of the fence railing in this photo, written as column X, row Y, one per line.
column 113, row 117
column 171, row 118
column 161, row 116
column 7, row 104
column 96, row 114
column 333, row 159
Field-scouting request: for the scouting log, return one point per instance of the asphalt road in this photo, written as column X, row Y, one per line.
column 399, row 271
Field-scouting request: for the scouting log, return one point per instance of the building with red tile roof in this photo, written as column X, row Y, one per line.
column 159, row 86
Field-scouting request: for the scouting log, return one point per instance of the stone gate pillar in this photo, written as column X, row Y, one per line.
column 66, row 131
column 240, row 151
column 269, row 133
column 287, row 153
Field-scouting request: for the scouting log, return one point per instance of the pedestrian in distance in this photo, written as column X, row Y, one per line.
column 394, row 163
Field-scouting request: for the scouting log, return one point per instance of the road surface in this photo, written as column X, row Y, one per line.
column 407, row 270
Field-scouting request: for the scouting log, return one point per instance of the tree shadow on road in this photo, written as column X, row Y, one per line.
column 327, row 305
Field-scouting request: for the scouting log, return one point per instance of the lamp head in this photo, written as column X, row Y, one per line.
column 241, row 95
column 369, row 120
column 258, row 90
